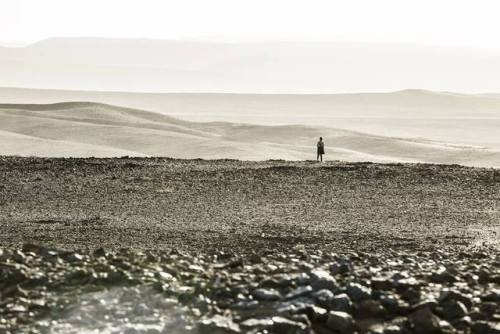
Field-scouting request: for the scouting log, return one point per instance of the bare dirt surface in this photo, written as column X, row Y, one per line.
column 162, row 246
column 206, row 206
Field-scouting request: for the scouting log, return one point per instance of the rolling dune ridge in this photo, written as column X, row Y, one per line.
column 84, row 129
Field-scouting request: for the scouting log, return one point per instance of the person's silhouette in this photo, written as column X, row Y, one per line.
column 321, row 149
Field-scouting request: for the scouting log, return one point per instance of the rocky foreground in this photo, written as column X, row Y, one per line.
column 48, row 291
column 192, row 246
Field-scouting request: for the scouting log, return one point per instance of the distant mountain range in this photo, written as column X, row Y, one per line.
column 278, row 67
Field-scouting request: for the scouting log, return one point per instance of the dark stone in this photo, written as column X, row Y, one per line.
column 32, row 248
column 358, row 292
column 234, row 263
column 300, row 317
column 411, row 295
column 341, row 303
column 442, row 276
column 476, row 315
column 74, row 257
column 484, row 276
column 13, row 291
column 430, row 304
column 316, row 313
column 12, row 275
column 495, row 279
column 80, row 276
column 492, row 296
column 484, row 327
column 321, row 279
column 256, row 324
column 452, row 309
column 116, row 277
column 266, row 295
column 448, row 294
column 100, row 252
column 425, row 322
column 18, row 257
column 285, row 326
column 463, row 323
column 218, row 325
column 370, row 309
column 340, row 268
column 323, row 298
column 489, row 308
column 303, row 291
column 393, row 329
column 269, row 283
column 379, row 283
column 341, row 322
column 394, row 305
column 407, row 283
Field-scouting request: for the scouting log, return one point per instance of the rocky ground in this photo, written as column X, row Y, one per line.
column 193, row 246
column 49, row 291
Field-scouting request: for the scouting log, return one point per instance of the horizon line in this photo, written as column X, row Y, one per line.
column 252, row 93
column 14, row 44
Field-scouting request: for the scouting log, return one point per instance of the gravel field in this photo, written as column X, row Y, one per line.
column 195, row 246
column 204, row 206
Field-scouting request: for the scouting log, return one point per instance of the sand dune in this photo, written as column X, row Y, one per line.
column 23, row 145
column 461, row 119
column 83, row 129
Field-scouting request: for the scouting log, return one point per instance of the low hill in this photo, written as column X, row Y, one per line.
column 83, row 129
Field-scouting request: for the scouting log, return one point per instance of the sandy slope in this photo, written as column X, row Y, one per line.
column 83, row 129
column 17, row 144
column 439, row 116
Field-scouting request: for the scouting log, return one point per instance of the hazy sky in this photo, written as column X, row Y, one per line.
column 472, row 23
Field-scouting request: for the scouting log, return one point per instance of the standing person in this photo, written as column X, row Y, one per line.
column 321, row 149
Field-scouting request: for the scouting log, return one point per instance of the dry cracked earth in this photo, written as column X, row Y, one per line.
column 157, row 245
